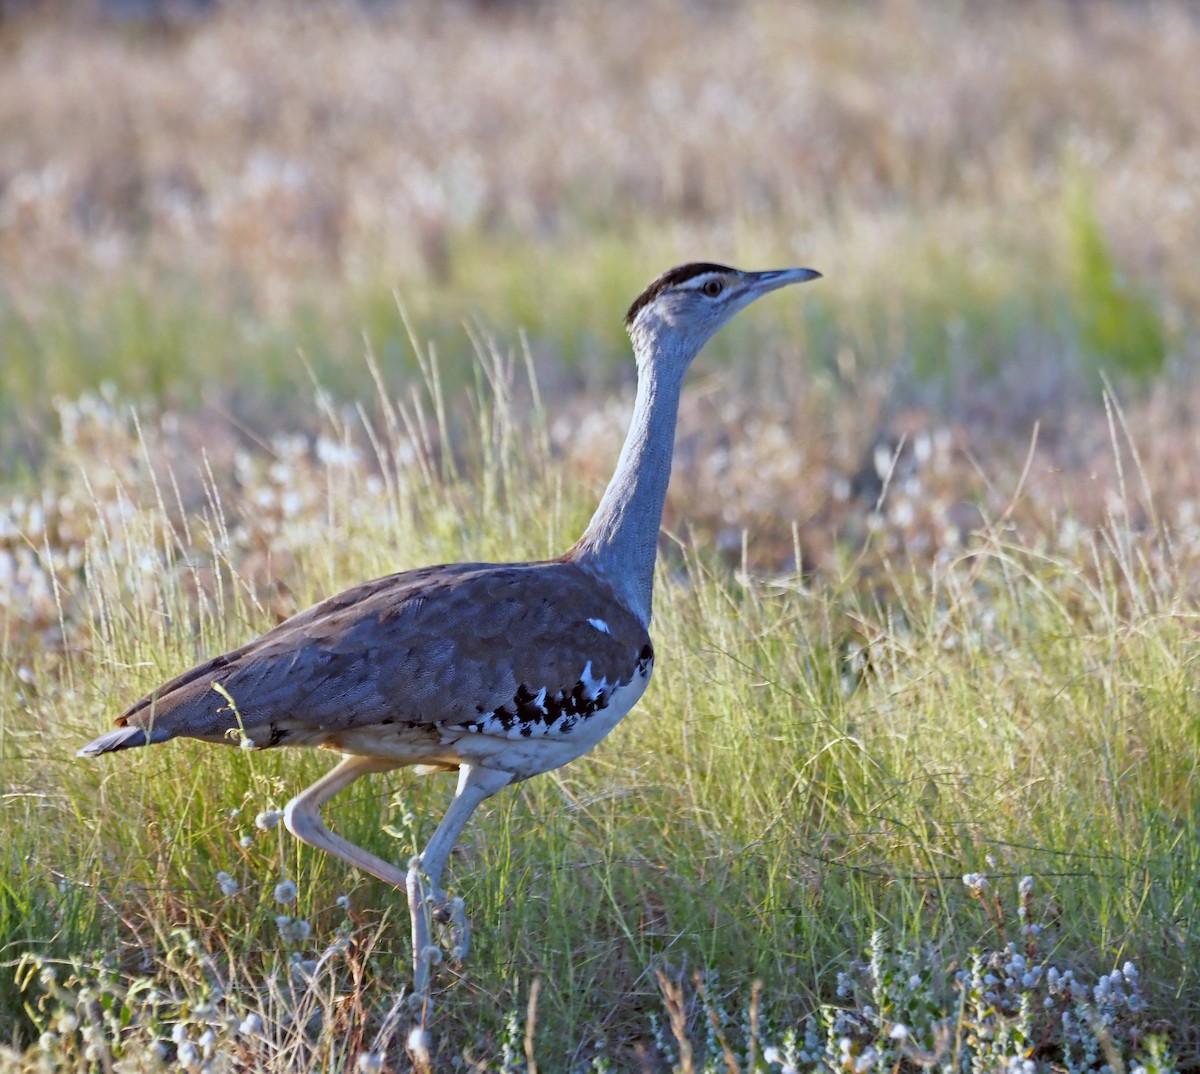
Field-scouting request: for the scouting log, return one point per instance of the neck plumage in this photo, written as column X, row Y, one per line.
column 621, row 541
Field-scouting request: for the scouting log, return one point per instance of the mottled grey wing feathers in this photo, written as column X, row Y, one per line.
column 437, row 645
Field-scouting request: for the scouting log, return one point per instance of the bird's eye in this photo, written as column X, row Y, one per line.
column 712, row 288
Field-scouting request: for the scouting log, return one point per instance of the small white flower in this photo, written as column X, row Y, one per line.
column 189, row 1057
column 267, row 820
column 771, row 1054
column 899, row 1031
column 285, row 891
column 371, row 1062
column 245, row 841
column 292, row 931
column 251, row 1025
column 47, row 1041
column 420, row 1045
column 208, row 1041
column 179, row 1033
column 865, row 1061
column 227, row 884
column 976, row 883
column 343, row 901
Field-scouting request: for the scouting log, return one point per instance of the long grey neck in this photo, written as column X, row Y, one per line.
column 621, row 541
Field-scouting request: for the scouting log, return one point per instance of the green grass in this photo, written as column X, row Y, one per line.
column 812, row 764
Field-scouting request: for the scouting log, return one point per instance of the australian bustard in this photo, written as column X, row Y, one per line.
column 498, row 671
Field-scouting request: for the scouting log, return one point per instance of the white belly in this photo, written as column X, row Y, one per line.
column 524, row 749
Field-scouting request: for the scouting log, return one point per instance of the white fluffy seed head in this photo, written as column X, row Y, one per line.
column 370, row 1063
column 420, row 1046
column 975, row 883
column 188, row 1056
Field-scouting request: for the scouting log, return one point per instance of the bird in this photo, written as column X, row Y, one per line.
column 499, row 671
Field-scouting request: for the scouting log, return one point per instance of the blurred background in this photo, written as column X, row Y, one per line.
column 209, row 206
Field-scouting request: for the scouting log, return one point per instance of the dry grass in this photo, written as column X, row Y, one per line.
column 273, row 148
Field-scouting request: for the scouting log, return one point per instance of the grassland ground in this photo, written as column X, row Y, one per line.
column 305, row 297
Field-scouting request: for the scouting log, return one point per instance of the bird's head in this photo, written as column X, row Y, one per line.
column 687, row 305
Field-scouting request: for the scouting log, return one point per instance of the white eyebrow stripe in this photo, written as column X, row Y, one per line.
column 695, row 283
column 600, row 625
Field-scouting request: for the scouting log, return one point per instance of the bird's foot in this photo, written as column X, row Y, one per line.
column 449, row 918
column 454, row 932
column 430, row 907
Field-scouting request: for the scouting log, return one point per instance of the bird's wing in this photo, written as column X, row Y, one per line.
column 441, row 645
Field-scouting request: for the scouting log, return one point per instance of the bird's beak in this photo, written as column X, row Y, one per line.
column 762, row 282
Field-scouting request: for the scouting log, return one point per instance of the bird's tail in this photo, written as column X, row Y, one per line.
column 124, row 738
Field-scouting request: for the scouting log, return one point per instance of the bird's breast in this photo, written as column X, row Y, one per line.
column 568, row 729
column 536, row 731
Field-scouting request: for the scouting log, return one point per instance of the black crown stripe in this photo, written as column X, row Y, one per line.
column 671, row 278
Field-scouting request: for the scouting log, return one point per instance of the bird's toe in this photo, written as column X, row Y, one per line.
column 453, row 930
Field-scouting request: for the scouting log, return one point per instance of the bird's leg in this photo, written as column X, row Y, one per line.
column 303, row 818
column 474, row 785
